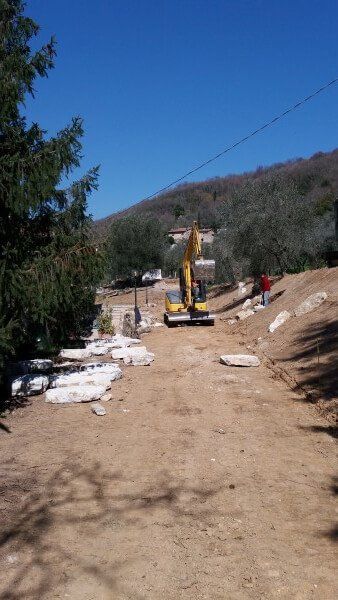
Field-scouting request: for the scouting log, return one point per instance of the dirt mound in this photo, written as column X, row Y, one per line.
column 304, row 348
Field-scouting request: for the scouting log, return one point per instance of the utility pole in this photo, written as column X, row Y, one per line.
column 332, row 255
column 136, row 308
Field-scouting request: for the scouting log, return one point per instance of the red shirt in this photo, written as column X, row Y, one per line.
column 265, row 283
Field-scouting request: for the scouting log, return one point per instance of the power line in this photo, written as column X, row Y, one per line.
column 247, row 137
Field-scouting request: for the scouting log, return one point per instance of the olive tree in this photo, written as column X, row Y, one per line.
column 134, row 242
column 271, row 227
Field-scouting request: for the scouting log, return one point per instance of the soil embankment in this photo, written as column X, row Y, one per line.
column 304, row 349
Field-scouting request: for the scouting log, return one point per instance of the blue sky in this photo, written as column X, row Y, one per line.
column 164, row 84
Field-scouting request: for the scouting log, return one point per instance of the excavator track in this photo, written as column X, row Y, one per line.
column 189, row 318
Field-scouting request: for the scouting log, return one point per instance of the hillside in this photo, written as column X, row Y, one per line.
column 316, row 179
column 302, row 350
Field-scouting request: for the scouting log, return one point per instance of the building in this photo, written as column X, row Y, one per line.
column 182, row 233
column 152, row 275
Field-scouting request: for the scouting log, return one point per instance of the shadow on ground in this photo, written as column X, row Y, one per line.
column 38, row 542
column 332, row 534
column 331, row 430
column 238, row 302
column 9, row 404
column 221, row 289
column 319, row 345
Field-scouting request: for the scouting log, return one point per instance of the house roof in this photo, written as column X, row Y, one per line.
column 185, row 229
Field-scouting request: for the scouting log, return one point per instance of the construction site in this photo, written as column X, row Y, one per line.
column 201, row 480
column 168, row 300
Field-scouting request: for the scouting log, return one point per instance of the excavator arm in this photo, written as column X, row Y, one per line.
column 193, row 249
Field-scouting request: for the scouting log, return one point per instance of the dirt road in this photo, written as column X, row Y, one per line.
column 194, row 485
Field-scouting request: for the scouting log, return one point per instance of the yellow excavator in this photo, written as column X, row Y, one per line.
column 188, row 304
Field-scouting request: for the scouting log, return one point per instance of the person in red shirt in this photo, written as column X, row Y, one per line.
column 265, row 289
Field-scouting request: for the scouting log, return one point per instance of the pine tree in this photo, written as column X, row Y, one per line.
column 48, row 268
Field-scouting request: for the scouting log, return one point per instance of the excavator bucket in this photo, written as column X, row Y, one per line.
column 204, row 269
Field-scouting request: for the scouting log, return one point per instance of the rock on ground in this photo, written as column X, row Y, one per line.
column 130, row 341
column 279, row 320
column 100, row 347
column 139, row 360
column 121, row 353
column 103, row 347
column 144, row 327
column 37, row 365
column 67, row 366
column 241, row 288
column 246, row 304
column 76, row 393
column 82, row 378
column 100, row 351
column 98, row 409
column 111, row 369
column 244, row 314
column 122, row 341
column 310, row 303
column 29, row 385
column 75, row 353
column 258, row 307
column 240, row 360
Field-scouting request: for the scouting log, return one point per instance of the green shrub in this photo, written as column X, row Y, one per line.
column 105, row 323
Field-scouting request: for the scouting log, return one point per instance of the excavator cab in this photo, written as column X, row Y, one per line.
column 188, row 304
column 199, row 292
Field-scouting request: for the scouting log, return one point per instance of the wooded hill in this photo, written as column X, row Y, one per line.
column 315, row 178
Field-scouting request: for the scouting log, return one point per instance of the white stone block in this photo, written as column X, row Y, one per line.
column 100, row 351
column 76, row 393
column 144, row 327
column 29, row 385
column 310, row 303
column 36, row 365
column 75, row 353
column 98, row 409
column 240, row 360
column 241, row 288
column 81, row 378
column 279, row 320
column 139, row 360
column 111, row 369
column 124, row 352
